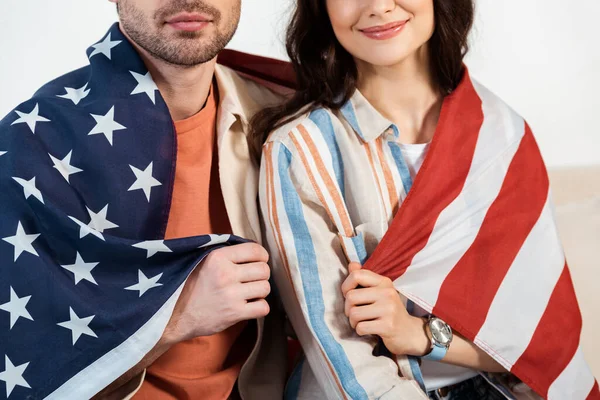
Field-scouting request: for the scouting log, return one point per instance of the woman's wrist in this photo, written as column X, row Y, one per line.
column 421, row 343
column 412, row 341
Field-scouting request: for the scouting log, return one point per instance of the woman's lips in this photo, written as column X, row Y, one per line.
column 190, row 22
column 383, row 32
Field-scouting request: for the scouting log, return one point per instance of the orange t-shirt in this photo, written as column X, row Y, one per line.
column 204, row 367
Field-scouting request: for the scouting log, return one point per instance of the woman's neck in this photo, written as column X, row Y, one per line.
column 406, row 94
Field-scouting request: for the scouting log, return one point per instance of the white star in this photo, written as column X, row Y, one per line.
column 81, row 270
column 104, row 47
column 22, row 242
column 64, row 166
column 30, row 119
column 97, row 225
column 216, row 239
column 3, row 153
column 29, row 188
column 78, row 326
column 153, row 247
column 106, row 125
column 144, row 180
column 75, row 95
column 145, row 85
column 144, row 283
column 13, row 376
column 16, row 307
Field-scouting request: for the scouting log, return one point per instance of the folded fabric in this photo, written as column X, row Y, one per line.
column 87, row 283
column 475, row 243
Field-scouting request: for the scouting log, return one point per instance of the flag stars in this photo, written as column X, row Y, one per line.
column 145, row 85
column 31, row 119
column 153, row 247
column 13, row 376
column 22, row 242
column 78, row 326
column 97, row 225
column 144, row 283
column 144, row 180
column 105, row 47
column 106, row 125
column 81, row 270
column 64, row 166
column 29, row 188
column 75, row 95
column 16, row 307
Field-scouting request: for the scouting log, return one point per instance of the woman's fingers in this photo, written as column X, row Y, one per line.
column 361, row 297
column 365, row 328
column 364, row 313
column 362, row 278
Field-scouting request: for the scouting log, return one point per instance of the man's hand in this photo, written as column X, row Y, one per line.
column 229, row 286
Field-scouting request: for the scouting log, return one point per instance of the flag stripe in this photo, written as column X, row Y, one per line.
column 508, row 222
column 575, row 382
column 453, row 146
column 594, row 393
column 530, row 280
column 549, row 351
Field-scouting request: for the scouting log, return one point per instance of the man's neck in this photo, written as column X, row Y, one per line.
column 405, row 94
column 185, row 89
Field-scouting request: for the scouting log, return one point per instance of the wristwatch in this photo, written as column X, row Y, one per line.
column 440, row 335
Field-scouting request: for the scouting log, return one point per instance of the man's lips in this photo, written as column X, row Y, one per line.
column 387, row 31
column 190, row 22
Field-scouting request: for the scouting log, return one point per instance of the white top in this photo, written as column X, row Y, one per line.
column 436, row 375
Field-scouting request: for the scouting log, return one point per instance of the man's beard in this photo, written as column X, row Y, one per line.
column 184, row 49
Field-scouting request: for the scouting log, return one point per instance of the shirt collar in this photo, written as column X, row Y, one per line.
column 366, row 121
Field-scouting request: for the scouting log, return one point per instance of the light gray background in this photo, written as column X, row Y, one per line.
column 540, row 56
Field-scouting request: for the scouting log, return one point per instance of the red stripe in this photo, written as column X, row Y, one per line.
column 469, row 289
column 595, row 393
column 555, row 341
column 439, row 182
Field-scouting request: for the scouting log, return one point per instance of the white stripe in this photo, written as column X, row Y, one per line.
column 330, row 204
column 121, row 359
column 298, row 316
column 350, row 249
column 530, row 280
column 459, row 223
column 575, row 382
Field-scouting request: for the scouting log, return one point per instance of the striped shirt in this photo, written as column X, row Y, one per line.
column 330, row 186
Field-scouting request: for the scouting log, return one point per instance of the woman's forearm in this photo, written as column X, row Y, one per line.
column 466, row 354
column 462, row 352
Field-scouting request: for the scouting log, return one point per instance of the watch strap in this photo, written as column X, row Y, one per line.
column 437, row 353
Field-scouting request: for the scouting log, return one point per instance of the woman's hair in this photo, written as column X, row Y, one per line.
column 326, row 73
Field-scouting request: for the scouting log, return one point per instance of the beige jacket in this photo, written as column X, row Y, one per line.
column 263, row 375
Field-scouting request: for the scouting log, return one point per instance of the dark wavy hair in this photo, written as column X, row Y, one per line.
column 326, row 73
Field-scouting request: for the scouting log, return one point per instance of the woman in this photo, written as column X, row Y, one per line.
column 382, row 92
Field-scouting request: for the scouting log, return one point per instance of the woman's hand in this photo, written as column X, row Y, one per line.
column 374, row 307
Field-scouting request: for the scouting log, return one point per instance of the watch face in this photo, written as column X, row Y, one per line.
column 440, row 331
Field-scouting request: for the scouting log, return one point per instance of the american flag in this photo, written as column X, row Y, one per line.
column 87, row 283
column 475, row 243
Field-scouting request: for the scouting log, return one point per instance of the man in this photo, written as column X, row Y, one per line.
column 215, row 343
